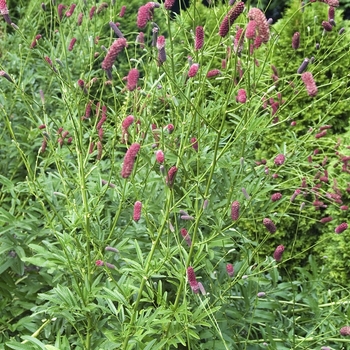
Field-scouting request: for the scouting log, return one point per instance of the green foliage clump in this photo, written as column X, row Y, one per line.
column 79, row 269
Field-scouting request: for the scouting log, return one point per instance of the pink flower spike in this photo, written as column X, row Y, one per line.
column 191, row 276
column 345, row 330
column 122, row 11
column 199, row 38
column 270, row 226
column 129, row 160
column 194, row 144
column 71, row 44
column 92, row 12
column 127, row 122
column 321, row 134
column 327, row 26
column 145, row 14
column 160, row 156
column 71, row 10
column 171, row 176
column 186, row 236
column 309, row 83
column 250, row 31
column 294, row 195
column 342, row 227
column 213, row 73
column 277, row 255
column 235, row 210
column 118, row 46
column 241, row 96
column 80, row 19
column 231, row 16
column 262, row 26
column 230, row 270
column 193, row 70
column 137, row 211
column 3, row 7
column 276, row 197
column 170, row 128
column 132, row 79
column 326, row 219
column 99, row 263
column 168, row 4
column 280, row 159
column 296, row 40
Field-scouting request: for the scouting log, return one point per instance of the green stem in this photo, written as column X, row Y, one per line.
column 146, row 272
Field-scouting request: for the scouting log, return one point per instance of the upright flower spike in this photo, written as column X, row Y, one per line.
column 116, row 30
column 99, row 150
column 35, row 41
column 80, row 19
column 161, row 49
column 199, row 38
column 277, row 255
column 235, row 210
column 241, row 96
column 60, row 9
column 309, row 83
column 334, row 3
column 228, row 20
column 303, row 66
column 238, row 41
column 296, row 40
column 71, row 44
column 191, row 276
column 137, row 211
column 92, row 12
column 71, row 10
column 118, row 46
column 193, row 70
column 270, row 226
column 125, row 126
column 168, row 4
column 122, row 11
column 186, row 236
column 140, row 38
column 250, row 32
column 5, row 12
column 327, row 26
column 145, row 14
column 129, row 160
column 102, row 7
column 171, row 176
column 230, row 270
column 132, row 79
column 262, row 26
column 160, row 156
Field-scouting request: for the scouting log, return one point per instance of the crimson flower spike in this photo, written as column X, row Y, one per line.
column 129, row 160
column 118, row 46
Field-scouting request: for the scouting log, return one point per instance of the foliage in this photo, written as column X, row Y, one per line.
column 79, row 270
